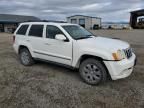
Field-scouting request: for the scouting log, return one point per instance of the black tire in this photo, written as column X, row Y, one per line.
column 93, row 72
column 25, row 57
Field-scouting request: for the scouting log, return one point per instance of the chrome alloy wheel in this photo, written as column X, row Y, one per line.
column 25, row 58
column 92, row 73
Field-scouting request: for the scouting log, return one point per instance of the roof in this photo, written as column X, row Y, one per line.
column 84, row 16
column 16, row 18
column 137, row 11
column 51, row 23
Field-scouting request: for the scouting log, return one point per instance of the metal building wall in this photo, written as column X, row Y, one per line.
column 89, row 21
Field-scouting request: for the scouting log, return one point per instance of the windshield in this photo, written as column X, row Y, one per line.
column 77, row 32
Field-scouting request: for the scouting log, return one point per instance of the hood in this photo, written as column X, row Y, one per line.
column 104, row 43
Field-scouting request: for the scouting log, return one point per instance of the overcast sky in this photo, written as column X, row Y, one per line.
column 108, row 10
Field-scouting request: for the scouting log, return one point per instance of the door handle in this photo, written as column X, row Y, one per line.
column 47, row 44
column 28, row 40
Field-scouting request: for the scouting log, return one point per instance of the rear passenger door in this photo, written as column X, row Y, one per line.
column 35, row 38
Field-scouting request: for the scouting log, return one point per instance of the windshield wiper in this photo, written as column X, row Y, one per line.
column 83, row 37
column 88, row 35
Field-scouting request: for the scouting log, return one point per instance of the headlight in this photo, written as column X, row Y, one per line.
column 119, row 55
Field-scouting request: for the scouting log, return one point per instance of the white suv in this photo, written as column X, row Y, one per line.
column 71, row 45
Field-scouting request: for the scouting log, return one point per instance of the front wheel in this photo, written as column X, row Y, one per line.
column 92, row 71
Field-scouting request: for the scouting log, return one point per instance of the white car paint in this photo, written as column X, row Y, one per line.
column 69, row 53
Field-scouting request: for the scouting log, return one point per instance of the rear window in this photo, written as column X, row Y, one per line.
column 36, row 30
column 22, row 30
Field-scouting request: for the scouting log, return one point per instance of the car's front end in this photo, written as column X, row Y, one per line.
column 117, row 55
column 122, row 65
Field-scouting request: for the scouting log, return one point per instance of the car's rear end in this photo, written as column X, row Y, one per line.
column 15, row 39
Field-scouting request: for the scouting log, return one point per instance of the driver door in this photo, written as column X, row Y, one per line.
column 57, row 50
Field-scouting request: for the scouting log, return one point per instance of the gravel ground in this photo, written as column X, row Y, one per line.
column 45, row 85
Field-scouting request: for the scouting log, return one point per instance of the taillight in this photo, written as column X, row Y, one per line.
column 13, row 39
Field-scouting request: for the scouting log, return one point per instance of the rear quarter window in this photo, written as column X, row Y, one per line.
column 36, row 30
column 22, row 30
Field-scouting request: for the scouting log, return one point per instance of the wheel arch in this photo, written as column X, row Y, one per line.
column 24, row 46
column 86, row 56
column 29, row 55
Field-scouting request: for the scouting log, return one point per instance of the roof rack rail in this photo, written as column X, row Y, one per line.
column 46, row 21
column 54, row 21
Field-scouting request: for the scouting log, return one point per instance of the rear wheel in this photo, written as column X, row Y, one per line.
column 92, row 71
column 25, row 57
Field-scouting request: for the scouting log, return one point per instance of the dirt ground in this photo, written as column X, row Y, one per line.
column 45, row 85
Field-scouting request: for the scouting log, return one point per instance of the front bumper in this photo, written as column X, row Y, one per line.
column 121, row 69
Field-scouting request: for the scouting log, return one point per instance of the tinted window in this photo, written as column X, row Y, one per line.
column 22, row 30
column 36, row 30
column 52, row 31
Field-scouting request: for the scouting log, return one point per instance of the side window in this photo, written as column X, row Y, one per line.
column 74, row 21
column 22, row 30
column 52, row 31
column 36, row 30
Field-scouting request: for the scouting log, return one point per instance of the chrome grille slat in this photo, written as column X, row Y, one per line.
column 128, row 53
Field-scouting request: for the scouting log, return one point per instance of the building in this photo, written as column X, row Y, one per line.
column 8, row 23
column 87, row 22
column 115, row 25
column 137, row 19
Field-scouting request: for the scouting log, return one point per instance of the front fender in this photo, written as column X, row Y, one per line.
column 103, row 54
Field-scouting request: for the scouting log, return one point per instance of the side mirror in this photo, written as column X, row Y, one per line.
column 60, row 37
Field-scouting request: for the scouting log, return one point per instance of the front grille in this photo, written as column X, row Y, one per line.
column 128, row 53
